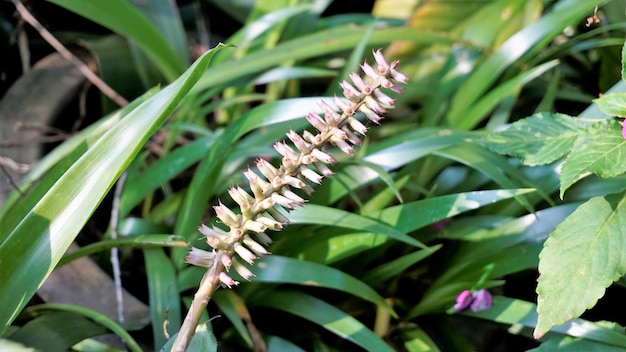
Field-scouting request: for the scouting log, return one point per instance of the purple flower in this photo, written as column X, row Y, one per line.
column 482, row 300
column 463, row 300
column 476, row 301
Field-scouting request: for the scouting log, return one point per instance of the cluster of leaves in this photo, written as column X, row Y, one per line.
column 584, row 254
column 427, row 208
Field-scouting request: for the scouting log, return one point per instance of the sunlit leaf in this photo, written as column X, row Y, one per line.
column 57, row 218
column 325, row 315
column 600, row 150
column 280, row 269
column 517, row 312
column 580, row 259
column 539, row 139
column 613, row 104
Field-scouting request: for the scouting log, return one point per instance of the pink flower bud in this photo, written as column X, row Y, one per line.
column 463, row 300
column 200, row 257
column 316, row 122
column 383, row 98
column 383, row 67
column 350, row 92
column 358, row 82
column 369, row 71
column 227, row 280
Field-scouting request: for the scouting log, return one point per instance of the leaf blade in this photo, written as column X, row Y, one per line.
column 575, row 270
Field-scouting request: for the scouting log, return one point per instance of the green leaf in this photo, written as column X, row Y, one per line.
column 313, row 45
column 521, row 313
column 612, row 104
column 121, row 17
column 139, row 185
column 567, row 343
column 164, row 299
column 533, row 37
column 59, row 328
column 330, row 247
column 280, row 269
column 537, row 140
column 325, row 315
column 202, row 340
column 57, row 331
column 415, row 339
column 317, row 214
column 483, row 106
column 583, row 256
column 140, row 241
column 234, row 308
column 57, row 218
column 600, row 149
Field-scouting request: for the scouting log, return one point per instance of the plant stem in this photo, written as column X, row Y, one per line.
column 209, row 284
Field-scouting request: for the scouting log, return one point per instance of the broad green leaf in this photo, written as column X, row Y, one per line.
column 537, row 140
column 57, row 218
column 278, row 269
column 593, row 111
column 612, row 104
column 164, row 299
column 521, row 313
column 583, row 256
column 121, row 17
column 600, row 150
column 325, row 315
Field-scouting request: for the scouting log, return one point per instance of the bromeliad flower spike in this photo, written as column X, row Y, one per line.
column 304, row 163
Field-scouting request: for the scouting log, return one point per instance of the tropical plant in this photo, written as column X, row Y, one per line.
column 425, row 212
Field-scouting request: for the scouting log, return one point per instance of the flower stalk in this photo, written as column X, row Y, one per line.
column 272, row 190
